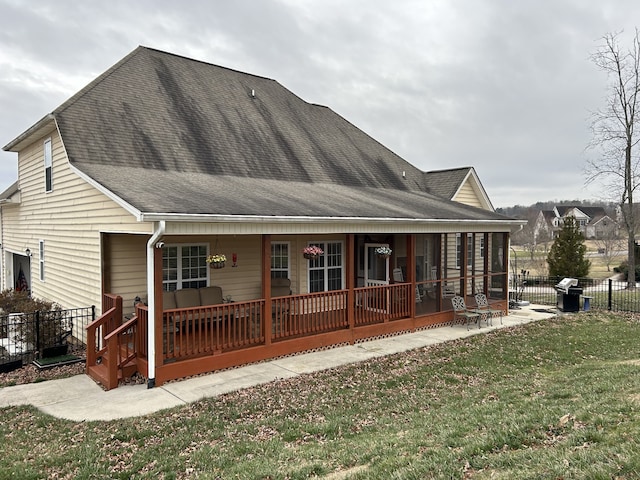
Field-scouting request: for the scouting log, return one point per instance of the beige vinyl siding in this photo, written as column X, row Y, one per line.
column 69, row 219
column 127, row 256
column 468, row 196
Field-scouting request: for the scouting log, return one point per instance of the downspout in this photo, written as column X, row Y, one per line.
column 151, row 293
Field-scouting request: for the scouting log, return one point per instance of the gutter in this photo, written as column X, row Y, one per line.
column 182, row 217
column 152, row 244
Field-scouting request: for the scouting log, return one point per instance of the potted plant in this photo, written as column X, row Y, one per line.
column 216, row 260
column 312, row 252
column 384, row 252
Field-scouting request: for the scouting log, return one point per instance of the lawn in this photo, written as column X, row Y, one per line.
column 555, row 399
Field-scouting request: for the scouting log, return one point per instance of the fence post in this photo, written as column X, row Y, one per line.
column 37, row 331
column 609, row 295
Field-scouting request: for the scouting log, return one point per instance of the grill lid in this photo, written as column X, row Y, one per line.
column 566, row 283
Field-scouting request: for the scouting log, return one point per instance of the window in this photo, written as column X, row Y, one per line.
column 470, row 250
column 482, row 246
column 184, row 266
column 458, row 250
column 48, row 167
column 280, row 260
column 326, row 272
column 41, row 259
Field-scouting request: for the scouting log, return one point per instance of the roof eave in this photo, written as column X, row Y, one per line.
column 209, row 218
column 37, row 130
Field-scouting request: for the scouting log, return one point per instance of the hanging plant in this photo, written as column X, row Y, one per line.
column 216, row 260
column 312, row 252
column 383, row 252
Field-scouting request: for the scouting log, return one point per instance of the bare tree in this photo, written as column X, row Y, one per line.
column 609, row 245
column 613, row 129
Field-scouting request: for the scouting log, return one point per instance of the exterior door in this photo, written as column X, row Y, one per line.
column 376, row 268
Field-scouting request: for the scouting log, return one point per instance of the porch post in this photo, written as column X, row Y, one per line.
column 266, row 288
column 485, row 267
column 463, row 264
column 411, row 273
column 351, row 280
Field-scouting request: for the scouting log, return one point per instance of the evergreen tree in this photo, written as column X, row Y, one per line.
column 567, row 255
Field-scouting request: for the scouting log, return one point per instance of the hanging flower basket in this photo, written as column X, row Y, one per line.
column 312, row 252
column 216, row 261
column 384, row 252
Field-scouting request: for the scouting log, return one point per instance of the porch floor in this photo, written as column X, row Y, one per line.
column 76, row 397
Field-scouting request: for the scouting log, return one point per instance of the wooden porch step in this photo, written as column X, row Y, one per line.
column 100, row 374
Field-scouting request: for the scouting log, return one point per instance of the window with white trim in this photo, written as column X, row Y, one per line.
column 280, row 260
column 48, row 166
column 470, row 247
column 326, row 272
column 458, row 250
column 41, row 259
column 184, row 266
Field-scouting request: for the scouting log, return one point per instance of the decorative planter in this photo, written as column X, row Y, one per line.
column 308, row 256
column 216, row 265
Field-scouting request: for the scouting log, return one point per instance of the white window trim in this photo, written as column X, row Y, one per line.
column 288, row 244
column 326, row 267
column 41, row 259
column 179, row 267
column 48, row 164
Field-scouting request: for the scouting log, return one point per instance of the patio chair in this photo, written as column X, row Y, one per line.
column 483, row 307
column 462, row 313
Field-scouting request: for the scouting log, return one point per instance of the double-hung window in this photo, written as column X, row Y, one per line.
column 184, row 266
column 327, row 272
column 280, row 260
column 41, row 259
column 48, row 166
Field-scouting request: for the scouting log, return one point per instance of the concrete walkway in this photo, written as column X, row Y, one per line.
column 79, row 398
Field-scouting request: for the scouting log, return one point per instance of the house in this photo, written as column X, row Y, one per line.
column 129, row 187
column 594, row 222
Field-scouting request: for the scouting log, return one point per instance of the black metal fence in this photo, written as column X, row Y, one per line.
column 25, row 337
column 604, row 294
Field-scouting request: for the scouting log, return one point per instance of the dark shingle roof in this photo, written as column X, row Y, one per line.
column 168, row 134
column 445, row 183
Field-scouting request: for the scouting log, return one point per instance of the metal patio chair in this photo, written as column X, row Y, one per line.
column 483, row 308
column 462, row 313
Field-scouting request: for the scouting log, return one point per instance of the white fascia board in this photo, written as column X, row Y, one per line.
column 177, row 217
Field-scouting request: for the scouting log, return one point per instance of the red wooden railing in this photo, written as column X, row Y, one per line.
column 111, row 344
column 378, row 304
column 197, row 331
column 309, row 314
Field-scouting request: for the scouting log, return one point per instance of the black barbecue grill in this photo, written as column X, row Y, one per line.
column 568, row 295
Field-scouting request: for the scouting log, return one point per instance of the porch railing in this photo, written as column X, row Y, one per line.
column 380, row 304
column 313, row 313
column 192, row 332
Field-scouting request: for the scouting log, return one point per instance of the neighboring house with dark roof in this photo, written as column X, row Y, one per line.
column 129, row 187
column 594, row 222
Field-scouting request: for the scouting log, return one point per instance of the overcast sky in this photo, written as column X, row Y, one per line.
column 504, row 86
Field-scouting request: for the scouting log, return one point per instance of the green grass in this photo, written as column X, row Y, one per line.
column 555, row 399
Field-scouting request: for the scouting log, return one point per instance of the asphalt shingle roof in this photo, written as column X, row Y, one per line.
column 168, row 134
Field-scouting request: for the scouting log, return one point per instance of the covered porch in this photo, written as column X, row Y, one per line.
column 348, row 295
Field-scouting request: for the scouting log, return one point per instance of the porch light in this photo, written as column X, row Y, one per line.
column 27, row 251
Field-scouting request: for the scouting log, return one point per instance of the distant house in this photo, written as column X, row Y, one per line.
column 594, row 222
column 128, row 190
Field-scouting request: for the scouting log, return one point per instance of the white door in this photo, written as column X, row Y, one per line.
column 376, row 268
